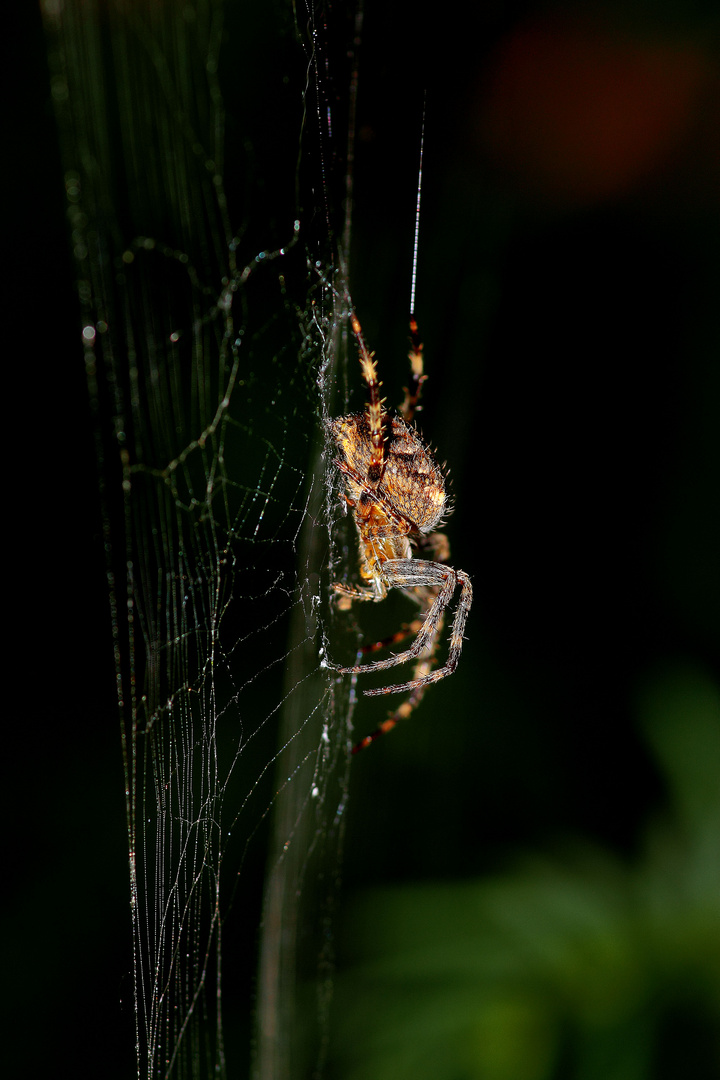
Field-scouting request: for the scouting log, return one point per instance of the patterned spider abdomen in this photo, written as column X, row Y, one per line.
column 411, row 483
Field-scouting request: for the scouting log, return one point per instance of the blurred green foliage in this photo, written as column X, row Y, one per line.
column 576, row 964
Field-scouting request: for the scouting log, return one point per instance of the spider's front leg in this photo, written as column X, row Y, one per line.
column 417, row 370
column 348, row 594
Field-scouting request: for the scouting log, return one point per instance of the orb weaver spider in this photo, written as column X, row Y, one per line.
column 396, row 491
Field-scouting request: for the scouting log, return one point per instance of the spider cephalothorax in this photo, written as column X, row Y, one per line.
column 396, row 491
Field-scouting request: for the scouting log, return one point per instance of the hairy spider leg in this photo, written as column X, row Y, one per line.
column 375, row 408
column 411, row 573
column 417, row 370
column 407, row 630
column 422, row 669
column 393, row 577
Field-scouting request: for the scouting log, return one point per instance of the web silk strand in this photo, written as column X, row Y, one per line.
column 417, row 218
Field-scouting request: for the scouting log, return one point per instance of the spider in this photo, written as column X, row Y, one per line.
column 396, row 491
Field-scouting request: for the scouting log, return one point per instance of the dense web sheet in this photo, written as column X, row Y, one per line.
column 212, row 326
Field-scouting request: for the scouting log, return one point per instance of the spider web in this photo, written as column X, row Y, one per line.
column 214, row 332
column 213, row 323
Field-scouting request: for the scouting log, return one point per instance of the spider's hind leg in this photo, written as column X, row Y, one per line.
column 423, row 667
column 406, row 631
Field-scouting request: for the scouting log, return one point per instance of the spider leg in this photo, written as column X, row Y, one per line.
column 353, row 592
column 415, row 356
column 422, row 669
column 407, row 630
column 410, row 573
column 376, row 412
column 456, row 640
column 431, row 574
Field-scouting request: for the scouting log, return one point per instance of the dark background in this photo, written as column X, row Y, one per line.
column 567, row 283
column 568, row 300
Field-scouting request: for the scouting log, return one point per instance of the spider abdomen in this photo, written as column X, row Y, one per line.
column 411, row 481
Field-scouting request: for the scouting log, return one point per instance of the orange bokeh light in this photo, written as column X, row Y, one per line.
column 582, row 112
